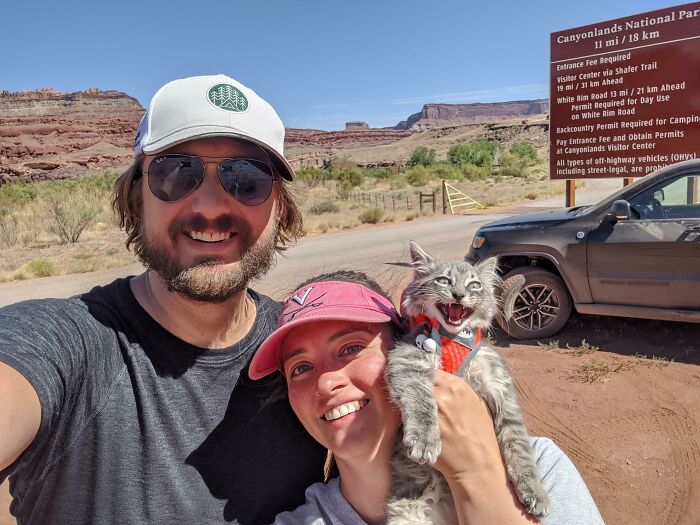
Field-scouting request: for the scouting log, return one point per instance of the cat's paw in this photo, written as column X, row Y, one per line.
column 535, row 500
column 422, row 449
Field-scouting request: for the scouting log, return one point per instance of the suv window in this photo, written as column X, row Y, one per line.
column 675, row 199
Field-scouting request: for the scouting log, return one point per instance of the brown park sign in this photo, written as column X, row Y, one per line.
column 625, row 95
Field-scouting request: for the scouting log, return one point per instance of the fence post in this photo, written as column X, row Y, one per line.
column 433, row 202
column 420, row 202
column 393, row 202
column 383, row 201
column 444, row 197
column 408, row 207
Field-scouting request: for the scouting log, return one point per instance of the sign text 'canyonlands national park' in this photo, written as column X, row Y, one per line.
column 625, row 95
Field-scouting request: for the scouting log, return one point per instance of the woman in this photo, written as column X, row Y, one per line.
column 331, row 345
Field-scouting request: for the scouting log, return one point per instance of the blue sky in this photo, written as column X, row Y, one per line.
column 321, row 63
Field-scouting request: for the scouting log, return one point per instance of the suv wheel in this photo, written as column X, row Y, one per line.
column 536, row 303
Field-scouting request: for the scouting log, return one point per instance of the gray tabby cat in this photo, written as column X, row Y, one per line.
column 461, row 297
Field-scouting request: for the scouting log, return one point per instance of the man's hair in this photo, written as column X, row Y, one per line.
column 127, row 201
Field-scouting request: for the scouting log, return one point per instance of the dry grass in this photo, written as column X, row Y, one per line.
column 28, row 228
column 552, row 344
column 597, row 371
column 584, row 348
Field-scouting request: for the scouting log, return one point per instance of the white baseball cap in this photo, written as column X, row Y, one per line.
column 211, row 106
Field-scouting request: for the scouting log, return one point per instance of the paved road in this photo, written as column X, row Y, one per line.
column 366, row 249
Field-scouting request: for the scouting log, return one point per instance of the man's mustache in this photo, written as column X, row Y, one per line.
column 198, row 223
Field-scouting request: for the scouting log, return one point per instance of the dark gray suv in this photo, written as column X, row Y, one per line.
column 634, row 254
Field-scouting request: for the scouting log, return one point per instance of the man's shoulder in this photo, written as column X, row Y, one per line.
column 267, row 306
column 39, row 312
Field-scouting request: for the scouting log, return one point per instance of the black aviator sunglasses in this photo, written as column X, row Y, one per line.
column 174, row 177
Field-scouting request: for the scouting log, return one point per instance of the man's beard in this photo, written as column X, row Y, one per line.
column 209, row 280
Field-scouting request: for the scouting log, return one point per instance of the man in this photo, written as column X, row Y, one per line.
column 131, row 403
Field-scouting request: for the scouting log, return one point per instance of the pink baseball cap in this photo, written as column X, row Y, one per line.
column 321, row 301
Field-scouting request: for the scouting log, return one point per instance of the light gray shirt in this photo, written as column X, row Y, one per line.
column 572, row 504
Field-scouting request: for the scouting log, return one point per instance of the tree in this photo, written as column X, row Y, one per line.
column 478, row 153
column 422, row 156
column 525, row 151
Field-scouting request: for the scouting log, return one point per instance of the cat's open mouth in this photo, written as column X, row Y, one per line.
column 454, row 313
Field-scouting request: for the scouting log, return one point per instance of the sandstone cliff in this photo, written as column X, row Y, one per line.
column 46, row 134
column 444, row 115
column 49, row 134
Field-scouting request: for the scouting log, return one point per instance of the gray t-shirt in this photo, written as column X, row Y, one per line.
column 138, row 426
column 572, row 504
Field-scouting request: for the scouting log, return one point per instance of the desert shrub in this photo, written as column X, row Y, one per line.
column 371, row 216
column 524, row 150
column 348, row 178
column 8, row 227
column 379, row 173
column 319, row 208
column 422, row 156
column 338, row 164
column 41, row 268
column 417, row 175
column 445, row 170
column 474, row 173
column 398, row 182
column 513, row 165
column 479, row 153
column 17, row 193
column 68, row 217
column 311, row 176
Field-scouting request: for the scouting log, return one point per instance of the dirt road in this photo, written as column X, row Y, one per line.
column 627, row 413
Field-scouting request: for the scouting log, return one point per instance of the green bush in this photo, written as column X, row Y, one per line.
column 513, row 165
column 41, row 268
column 319, row 208
column 68, row 217
column 379, row 173
column 17, row 193
column 311, row 176
column 348, row 178
column 474, row 173
column 422, row 156
column 525, row 151
column 8, row 227
column 398, row 182
column 479, row 153
column 417, row 175
column 445, row 170
column 371, row 216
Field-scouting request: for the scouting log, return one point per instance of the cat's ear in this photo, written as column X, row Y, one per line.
column 420, row 260
column 487, row 270
column 488, row 265
column 418, row 255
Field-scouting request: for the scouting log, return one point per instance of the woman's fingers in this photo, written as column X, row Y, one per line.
column 469, row 444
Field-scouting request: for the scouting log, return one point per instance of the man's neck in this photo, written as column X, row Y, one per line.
column 206, row 325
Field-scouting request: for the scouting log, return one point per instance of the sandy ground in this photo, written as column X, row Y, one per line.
column 627, row 414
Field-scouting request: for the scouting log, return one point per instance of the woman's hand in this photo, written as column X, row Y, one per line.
column 469, row 446
column 471, row 460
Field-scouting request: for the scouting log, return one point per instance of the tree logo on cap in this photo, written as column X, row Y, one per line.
column 226, row 96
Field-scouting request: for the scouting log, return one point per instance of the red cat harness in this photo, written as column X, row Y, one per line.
column 455, row 351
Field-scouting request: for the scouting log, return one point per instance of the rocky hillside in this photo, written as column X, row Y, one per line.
column 49, row 134
column 46, row 134
column 444, row 115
